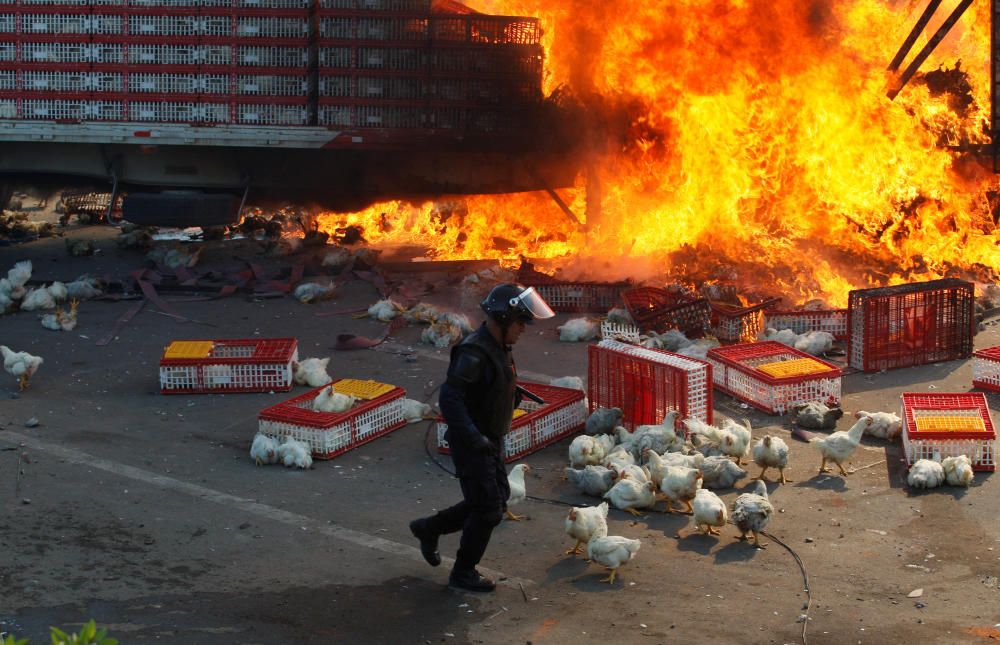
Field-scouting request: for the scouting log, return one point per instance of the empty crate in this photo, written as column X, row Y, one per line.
column 832, row 321
column 659, row 310
column 773, row 377
column 939, row 425
column 648, row 383
column 574, row 297
column 986, row 369
column 910, row 324
column 207, row 366
column 536, row 426
column 731, row 323
column 378, row 411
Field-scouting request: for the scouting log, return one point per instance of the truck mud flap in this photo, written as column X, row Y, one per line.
column 181, row 209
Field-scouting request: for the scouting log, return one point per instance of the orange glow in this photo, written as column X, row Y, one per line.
column 777, row 161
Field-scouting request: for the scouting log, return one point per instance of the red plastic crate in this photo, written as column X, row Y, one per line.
column 833, row 321
column 563, row 414
column 735, row 372
column 659, row 310
column 648, row 383
column 986, row 369
column 911, row 324
column 574, row 297
column 980, row 447
column 731, row 323
column 329, row 434
column 235, row 365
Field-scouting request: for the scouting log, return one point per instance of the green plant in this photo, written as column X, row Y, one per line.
column 10, row 640
column 89, row 635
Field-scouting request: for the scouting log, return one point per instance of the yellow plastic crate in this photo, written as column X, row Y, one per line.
column 364, row 390
column 793, row 367
column 949, row 424
column 189, row 349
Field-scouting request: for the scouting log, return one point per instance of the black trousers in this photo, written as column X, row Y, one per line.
column 485, row 490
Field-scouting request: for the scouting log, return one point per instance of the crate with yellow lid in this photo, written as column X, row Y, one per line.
column 774, row 377
column 231, row 365
column 330, row 425
column 948, row 424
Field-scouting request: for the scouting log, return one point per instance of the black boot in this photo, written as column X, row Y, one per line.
column 470, row 580
column 428, row 541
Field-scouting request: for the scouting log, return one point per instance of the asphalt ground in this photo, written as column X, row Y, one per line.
column 145, row 512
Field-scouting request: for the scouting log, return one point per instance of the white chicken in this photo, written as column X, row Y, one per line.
column 414, row 411
column 311, row 372
column 441, row 334
column 20, row 365
column 579, row 329
column 815, row 342
column 583, row 523
column 719, row 472
column 839, row 446
column 709, row 511
column 612, row 551
column 784, row 336
column 618, row 458
column 636, row 472
column 592, row 480
column 84, row 288
column 571, row 382
column 58, row 291
column 518, row 489
column 679, row 485
column 658, row 464
column 603, row 421
column 698, row 348
column 39, row 298
column 672, row 340
column 628, row 495
column 385, row 310
column 661, row 438
column 706, row 438
column 329, row 400
column 422, row 312
column 815, row 415
column 771, row 452
column 885, row 425
column 336, row 257
column 925, row 473
column 585, row 450
column 752, row 512
column 958, row 470
column 6, row 302
column 737, row 442
column 264, row 449
column 293, row 452
column 309, row 292
column 17, row 277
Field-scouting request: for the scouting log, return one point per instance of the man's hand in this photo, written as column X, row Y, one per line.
column 481, row 444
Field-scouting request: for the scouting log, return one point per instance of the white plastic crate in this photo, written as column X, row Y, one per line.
column 8, row 22
column 389, row 58
column 7, row 52
column 237, row 365
column 179, row 54
column 832, row 321
column 388, row 116
column 680, row 383
column 167, row 111
column 275, row 4
column 564, row 412
column 372, row 28
column 619, row 331
column 55, row 23
column 339, row 115
column 336, row 86
column 272, row 27
column 979, row 446
column 8, row 109
column 415, row 6
column 736, row 371
column 272, row 56
column 389, row 87
column 272, row 114
column 986, row 369
column 7, row 79
column 178, row 83
column 336, row 57
column 72, row 110
column 329, row 434
column 143, row 25
column 272, row 85
column 46, row 81
column 55, row 52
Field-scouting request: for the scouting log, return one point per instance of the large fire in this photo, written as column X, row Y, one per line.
column 764, row 150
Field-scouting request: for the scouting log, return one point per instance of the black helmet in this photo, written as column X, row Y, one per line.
column 509, row 302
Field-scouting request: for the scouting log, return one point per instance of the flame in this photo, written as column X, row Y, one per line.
column 761, row 150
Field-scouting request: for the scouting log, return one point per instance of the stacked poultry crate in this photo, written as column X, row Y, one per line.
column 377, row 412
column 394, row 66
column 158, row 61
column 939, row 425
column 773, row 377
column 646, row 384
column 911, row 324
column 537, row 425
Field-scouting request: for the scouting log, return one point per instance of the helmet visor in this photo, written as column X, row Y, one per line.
column 530, row 302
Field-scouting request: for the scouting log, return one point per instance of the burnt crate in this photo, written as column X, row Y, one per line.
column 536, row 426
column 620, row 331
column 378, row 411
column 910, row 324
column 731, row 323
column 648, row 383
column 940, row 424
column 986, row 369
column 832, row 321
column 222, row 366
column 773, row 377
column 574, row 297
column 659, row 310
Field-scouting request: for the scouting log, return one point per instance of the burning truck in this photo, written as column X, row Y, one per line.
column 191, row 106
